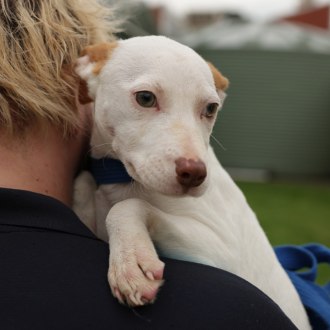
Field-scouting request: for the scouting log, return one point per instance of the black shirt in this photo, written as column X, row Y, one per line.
column 53, row 275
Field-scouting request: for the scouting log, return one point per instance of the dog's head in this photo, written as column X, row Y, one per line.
column 156, row 102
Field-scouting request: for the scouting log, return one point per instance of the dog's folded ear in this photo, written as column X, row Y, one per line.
column 89, row 65
column 98, row 55
column 221, row 82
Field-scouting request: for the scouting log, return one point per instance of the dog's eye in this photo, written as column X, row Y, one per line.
column 146, row 99
column 210, row 110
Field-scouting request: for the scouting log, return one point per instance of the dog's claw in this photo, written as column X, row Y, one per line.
column 132, row 300
column 118, row 295
column 150, row 276
column 135, row 275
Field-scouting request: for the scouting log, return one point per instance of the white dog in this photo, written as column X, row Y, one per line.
column 156, row 102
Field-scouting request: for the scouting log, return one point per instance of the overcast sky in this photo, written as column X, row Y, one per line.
column 256, row 9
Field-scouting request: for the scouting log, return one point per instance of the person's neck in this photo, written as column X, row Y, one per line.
column 42, row 162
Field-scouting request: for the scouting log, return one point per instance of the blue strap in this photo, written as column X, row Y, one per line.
column 108, row 171
column 315, row 298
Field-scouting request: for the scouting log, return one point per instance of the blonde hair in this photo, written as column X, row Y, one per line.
column 40, row 41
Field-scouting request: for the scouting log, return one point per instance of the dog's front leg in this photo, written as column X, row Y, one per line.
column 135, row 271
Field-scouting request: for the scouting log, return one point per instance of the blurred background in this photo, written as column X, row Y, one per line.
column 273, row 134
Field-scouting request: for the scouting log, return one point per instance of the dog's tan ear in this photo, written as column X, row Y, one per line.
column 90, row 64
column 99, row 54
column 221, row 82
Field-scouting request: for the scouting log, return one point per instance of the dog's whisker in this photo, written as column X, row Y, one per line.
column 99, row 146
column 218, row 142
column 132, row 185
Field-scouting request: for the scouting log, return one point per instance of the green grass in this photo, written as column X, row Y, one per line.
column 292, row 213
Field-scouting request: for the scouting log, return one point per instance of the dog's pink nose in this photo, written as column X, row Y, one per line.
column 190, row 173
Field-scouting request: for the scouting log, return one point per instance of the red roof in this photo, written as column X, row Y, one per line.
column 318, row 17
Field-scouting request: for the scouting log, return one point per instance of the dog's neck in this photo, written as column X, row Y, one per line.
column 109, row 171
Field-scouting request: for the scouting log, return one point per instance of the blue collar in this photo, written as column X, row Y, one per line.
column 108, row 171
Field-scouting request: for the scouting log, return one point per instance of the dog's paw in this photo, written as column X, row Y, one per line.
column 135, row 274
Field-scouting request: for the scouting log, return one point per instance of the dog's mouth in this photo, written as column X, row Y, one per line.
column 196, row 191
column 168, row 183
